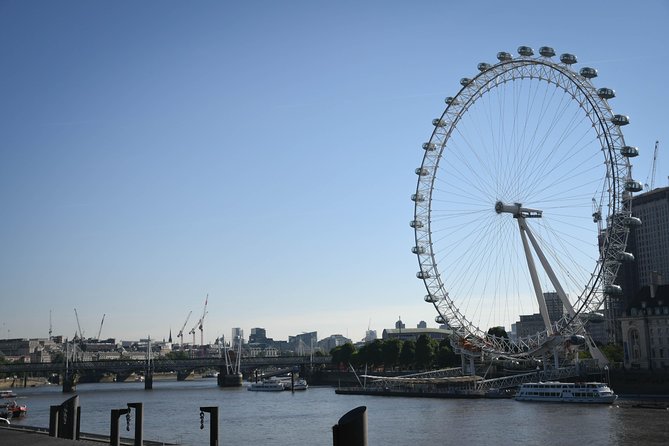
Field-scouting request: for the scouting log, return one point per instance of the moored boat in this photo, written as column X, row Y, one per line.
column 297, row 384
column 553, row 391
column 268, row 385
column 13, row 410
column 300, row 384
column 7, row 394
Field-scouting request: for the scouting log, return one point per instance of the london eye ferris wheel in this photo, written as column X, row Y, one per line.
column 522, row 201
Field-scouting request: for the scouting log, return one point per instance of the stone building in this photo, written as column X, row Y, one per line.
column 645, row 330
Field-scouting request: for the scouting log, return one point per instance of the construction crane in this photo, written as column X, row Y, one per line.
column 199, row 325
column 192, row 331
column 100, row 330
column 201, row 322
column 81, row 334
column 652, row 175
column 181, row 332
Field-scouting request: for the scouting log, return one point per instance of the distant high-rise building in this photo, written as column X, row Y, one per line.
column 554, row 305
column 399, row 324
column 304, row 343
column 331, row 342
column 370, row 336
column 422, row 324
column 258, row 335
column 649, row 244
column 530, row 324
column 237, row 336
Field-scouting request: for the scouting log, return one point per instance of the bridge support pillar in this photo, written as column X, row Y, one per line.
column 229, row 379
column 69, row 382
column 148, row 380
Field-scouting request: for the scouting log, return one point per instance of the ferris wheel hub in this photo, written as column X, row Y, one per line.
column 517, row 210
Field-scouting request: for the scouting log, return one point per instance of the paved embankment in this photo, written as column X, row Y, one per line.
column 20, row 437
column 29, row 435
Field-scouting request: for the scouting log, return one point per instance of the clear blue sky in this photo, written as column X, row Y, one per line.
column 262, row 152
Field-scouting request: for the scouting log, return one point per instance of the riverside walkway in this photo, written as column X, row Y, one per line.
column 36, row 436
column 10, row 436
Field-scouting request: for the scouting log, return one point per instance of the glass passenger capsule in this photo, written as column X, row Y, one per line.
column 430, row 298
column 465, row 81
column 613, row 290
column 568, row 59
column 606, row 93
column 438, row 122
column 422, row 171
column 625, row 257
column 439, row 319
column 546, row 51
column 483, row 66
column 503, row 56
column 423, row 275
column 632, row 222
column 417, row 197
column 525, row 51
column 633, row 186
column 594, row 317
column 577, row 339
column 620, row 120
column 629, row 151
column 416, row 224
column 418, row 249
column 429, row 146
column 450, row 100
column 588, row 72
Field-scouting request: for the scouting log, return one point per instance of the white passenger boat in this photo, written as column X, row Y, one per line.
column 7, row 394
column 269, row 385
column 586, row 392
column 300, row 384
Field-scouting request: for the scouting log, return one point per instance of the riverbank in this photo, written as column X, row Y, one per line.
column 10, row 383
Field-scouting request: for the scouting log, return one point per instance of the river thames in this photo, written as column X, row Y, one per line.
column 172, row 414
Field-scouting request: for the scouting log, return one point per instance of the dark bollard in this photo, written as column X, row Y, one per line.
column 65, row 419
column 53, row 420
column 351, row 430
column 139, row 423
column 114, row 433
column 213, row 420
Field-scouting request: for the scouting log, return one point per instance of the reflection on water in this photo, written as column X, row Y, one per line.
column 172, row 414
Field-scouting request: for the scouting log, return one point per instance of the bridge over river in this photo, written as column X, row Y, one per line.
column 182, row 367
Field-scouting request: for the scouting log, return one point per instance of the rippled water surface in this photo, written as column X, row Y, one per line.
column 172, row 414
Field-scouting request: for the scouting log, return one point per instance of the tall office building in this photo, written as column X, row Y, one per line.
column 258, row 335
column 237, row 337
column 554, row 305
column 649, row 243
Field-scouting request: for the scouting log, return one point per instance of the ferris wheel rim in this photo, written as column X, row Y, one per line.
column 597, row 110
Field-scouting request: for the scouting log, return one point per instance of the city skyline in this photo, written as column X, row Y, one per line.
column 261, row 154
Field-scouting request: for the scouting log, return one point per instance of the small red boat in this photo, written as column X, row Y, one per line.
column 13, row 410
